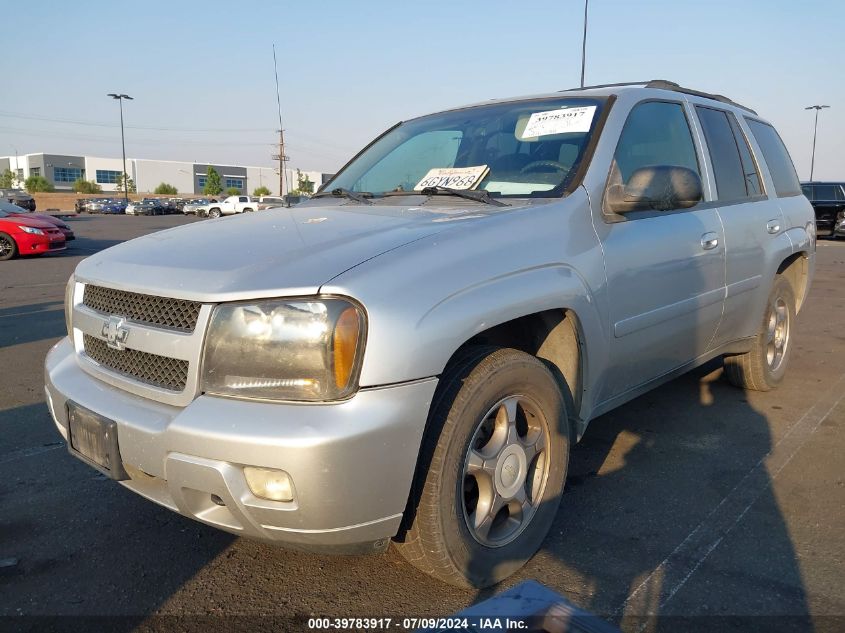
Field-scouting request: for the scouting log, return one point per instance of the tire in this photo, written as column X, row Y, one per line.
column 8, row 247
column 491, row 405
column 763, row 367
column 214, row 213
column 248, row 210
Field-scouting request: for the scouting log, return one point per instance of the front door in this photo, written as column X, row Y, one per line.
column 665, row 269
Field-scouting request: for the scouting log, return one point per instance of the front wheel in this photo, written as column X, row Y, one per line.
column 491, row 471
column 8, row 247
column 763, row 367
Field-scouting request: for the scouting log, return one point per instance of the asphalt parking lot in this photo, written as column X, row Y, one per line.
column 697, row 506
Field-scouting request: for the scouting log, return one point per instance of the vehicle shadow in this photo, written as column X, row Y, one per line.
column 642, row 536
column 77, row 544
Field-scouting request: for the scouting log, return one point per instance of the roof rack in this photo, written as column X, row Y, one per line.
column 664, row 84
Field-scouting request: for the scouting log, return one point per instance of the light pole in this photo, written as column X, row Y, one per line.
column 584, row 43
column 815, row 129
column 120, row 98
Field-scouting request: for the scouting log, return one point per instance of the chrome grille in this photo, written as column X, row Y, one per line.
column 176, row 314
column 152, row 369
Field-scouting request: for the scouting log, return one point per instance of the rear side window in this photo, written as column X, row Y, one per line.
column 825, row 192
column 724, row 154
column 777, row 158
column 753, row 182
column 656, row 133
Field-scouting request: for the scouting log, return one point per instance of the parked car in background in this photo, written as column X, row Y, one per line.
column 410, row 355
column 266, row 202
column 16, row 211
column 828, row 200
column 95, row 205
column 148, row 206
column 79, row 205
column 191, row 206
column 114, row 207
column 232, row 205
column 18, row 197
column 22, row 235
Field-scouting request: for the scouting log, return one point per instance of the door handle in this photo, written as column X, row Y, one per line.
column 773, row 226
column 709, row 241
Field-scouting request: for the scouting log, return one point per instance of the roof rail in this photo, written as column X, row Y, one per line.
column 663, row 84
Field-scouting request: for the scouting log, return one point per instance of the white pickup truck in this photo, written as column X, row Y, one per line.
column 229, row 206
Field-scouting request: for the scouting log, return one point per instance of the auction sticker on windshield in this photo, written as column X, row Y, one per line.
column 453, row 177
column 559, row 121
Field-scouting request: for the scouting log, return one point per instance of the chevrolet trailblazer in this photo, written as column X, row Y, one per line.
column 408, row 356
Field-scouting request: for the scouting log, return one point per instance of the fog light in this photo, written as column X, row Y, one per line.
column 269, row 483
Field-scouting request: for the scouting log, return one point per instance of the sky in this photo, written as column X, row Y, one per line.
column 201, row 73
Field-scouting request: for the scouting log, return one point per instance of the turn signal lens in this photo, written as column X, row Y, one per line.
column 345, row 345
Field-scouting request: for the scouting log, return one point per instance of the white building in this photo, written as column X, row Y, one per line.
column 188, row 178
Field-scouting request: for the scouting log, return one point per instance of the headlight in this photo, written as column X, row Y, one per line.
column 71, row 284
column 296, row 349
column 31, row 230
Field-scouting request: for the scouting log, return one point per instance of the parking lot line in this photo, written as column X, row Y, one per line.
column 679, row 566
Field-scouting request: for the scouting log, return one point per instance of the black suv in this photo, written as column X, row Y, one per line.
column 828, row 200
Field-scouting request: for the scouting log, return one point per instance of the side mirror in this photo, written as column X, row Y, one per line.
column 658, row 187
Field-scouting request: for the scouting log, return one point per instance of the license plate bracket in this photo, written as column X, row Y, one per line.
column 93, row 439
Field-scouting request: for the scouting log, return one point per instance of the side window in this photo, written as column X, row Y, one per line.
column 753, row 182
column 724, row 154
column 243, row 199
column 777, row 158
column 840, row 192
column 807, row 190
column 825, row 192
column 656, row 133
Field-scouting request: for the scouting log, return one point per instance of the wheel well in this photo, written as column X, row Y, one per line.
column 795, row 269
column 551, row 335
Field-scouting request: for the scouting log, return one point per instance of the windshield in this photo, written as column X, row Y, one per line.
column 520, row 149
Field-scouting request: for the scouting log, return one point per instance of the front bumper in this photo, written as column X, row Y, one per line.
column 351, row 462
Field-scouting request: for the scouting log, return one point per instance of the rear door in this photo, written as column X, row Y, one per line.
column 751, row 220
column 665, row 269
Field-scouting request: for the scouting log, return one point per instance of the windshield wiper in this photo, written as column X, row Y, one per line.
column 340, row 192
column 479, row 196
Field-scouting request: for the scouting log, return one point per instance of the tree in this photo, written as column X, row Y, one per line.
column 166, row 188
column 86, row 186
column 213, row 186
column 261, row 191
column 7, row 179
column 35, row 184
column 119, row 184
column 233, row 191
column 304, row 186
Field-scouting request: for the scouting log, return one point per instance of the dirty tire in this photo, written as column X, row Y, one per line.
column 763, row 367
column 440, row 539
column 8, row 247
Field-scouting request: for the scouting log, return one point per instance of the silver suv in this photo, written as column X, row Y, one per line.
column 410, row 355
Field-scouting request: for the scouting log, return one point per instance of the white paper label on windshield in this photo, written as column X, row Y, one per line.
column 559, row 121
column 453, row 177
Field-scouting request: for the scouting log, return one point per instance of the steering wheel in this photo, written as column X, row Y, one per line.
column 545, row 163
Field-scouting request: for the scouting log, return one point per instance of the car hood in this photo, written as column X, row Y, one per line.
column 44, row 218
column 279, row 252
column 27, row 220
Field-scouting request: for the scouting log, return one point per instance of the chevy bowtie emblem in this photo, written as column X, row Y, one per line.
column 115, row 332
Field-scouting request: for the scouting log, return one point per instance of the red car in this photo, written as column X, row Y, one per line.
column 15, row 210
column 25, row 235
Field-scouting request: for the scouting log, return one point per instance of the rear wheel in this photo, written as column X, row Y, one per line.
column 763, row 367
column 8, row 247
column 214, row 213
column 492, row 469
